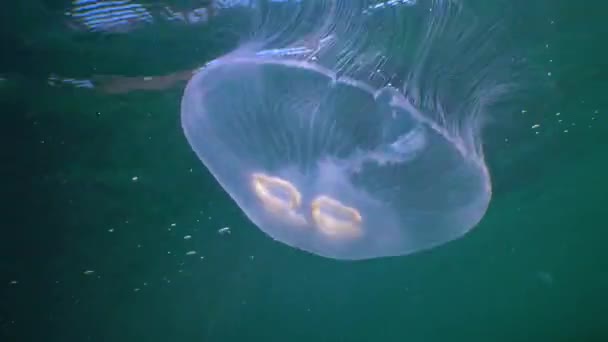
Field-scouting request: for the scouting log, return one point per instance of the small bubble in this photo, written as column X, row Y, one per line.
column 535, row 126
column 88, row 272
column 187, row 237
column 13, row 282
column 135, row 179
column 191, row 253
column 111, row 230
column 224, row 230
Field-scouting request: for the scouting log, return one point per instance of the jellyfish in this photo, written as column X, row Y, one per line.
column 357, row 136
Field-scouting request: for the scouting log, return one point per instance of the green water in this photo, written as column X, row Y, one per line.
column 108, row 183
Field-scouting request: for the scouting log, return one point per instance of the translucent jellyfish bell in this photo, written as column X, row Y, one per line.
column 330, row 165
column 357, row 137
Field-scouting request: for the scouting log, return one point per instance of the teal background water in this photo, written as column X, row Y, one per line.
column 535, row 269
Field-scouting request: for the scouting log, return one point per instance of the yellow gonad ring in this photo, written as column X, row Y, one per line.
column 335, row 219
column 266, row 187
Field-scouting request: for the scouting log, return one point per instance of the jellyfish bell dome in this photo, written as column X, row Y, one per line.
column 341, row 166
column 330, row 165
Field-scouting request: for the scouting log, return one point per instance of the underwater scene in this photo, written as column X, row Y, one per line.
column 304, row 170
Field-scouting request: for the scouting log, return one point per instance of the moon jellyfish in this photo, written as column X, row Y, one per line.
column 350, row 129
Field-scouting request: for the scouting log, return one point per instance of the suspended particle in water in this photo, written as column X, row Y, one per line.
column 224, row 230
